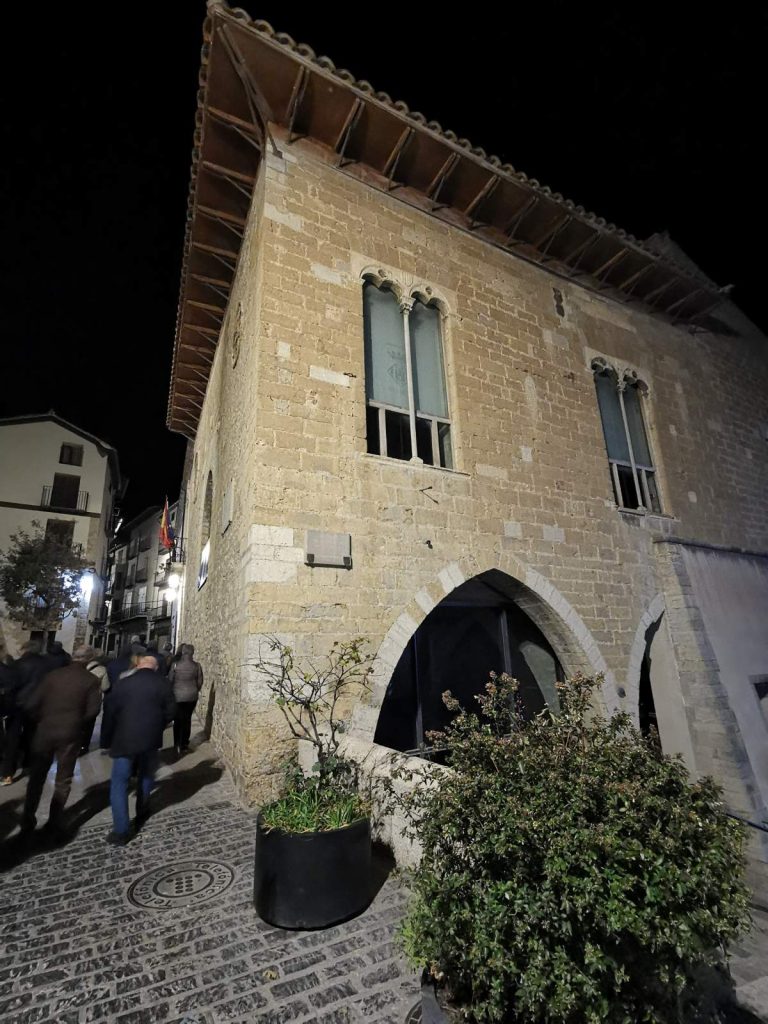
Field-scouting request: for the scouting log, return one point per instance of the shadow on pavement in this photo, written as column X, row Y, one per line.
column 174, row 789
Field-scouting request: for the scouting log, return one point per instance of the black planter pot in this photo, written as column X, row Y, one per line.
column 312, row 879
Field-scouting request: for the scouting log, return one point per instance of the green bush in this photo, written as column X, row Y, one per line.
column 570, row 872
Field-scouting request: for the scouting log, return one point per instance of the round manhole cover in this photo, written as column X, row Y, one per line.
column 181, row 884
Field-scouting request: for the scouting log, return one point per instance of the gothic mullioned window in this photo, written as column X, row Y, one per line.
column 633, row 475
column 407, row 402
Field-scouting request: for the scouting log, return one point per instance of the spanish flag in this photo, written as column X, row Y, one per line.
column 167, row 536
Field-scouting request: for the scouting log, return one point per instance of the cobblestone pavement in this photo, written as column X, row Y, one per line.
column 75, row 947
column 78, row 942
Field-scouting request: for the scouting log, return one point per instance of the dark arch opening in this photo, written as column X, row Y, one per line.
column 648, row 719
column 477, row 629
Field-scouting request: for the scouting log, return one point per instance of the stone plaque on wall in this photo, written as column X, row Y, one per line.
column 328, row 549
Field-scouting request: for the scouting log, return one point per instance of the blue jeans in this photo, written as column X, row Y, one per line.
column 122, row 769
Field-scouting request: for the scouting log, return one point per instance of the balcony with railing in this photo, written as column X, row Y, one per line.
column 141, row 610
column 64, row 499
column 173, row 565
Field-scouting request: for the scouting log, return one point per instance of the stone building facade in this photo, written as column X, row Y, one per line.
column 650, row 570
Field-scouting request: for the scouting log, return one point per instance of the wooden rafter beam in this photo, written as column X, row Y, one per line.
column 219, row 254
column 261, row 114
column 297, row 95
column 659, row 291
column 633, row 279
column 485, row 192
column 243, row 128
column 514, row 225
column 230, row 223
column 436, row 185
column 599, row 272
column 207, row 306
column 390, row 167
column 580, row 251
column 191, row 384
column 685, row 298
column 227, row 173
column 198, row 351
column 207, row 332
column 350, row 121
column 551, row 235
column 214, row 284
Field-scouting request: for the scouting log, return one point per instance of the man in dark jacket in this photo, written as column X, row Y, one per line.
column 139, row 708
column 59, row 705
column 57, row 656
column 29, row 670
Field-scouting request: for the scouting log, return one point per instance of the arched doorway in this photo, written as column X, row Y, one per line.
column 478, row 628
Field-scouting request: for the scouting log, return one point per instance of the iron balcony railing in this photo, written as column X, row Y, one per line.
column 141, row 610
column 57, row 499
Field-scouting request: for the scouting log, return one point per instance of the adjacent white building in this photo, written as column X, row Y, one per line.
column 54, row 473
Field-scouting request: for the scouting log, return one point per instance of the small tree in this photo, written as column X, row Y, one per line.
column 571, row 874
column 311, row 696
column 40, row 578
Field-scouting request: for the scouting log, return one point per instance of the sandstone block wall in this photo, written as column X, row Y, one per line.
column 530, row 493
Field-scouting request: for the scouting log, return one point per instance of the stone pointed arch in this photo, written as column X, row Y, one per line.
column 554, row 615
column 632, row 682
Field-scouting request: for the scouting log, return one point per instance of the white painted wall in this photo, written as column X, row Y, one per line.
column 29, row 459
column 731, row 591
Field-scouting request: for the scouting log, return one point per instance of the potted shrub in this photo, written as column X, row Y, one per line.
column 570, row 872
column 313, row 845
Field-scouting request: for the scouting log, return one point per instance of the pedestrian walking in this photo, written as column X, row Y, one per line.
column 19, row 727
column 96, row 668
column 186, row 677
column 57, row 656
column 9, row 687
column 59, row 705
column 139, row 707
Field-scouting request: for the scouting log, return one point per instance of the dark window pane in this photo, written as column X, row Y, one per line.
column 629, row 497
column 385, row 374
column 637, row 433
column 60, row 530
column 424, row 441
column 427, row 360
column 653, row 491
column 398, row 435
column 71, row 455
column 372, row 430
column 610, row 415
column 444, row 439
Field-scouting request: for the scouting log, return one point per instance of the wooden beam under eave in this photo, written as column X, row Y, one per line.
column 238, row 123
column 207, row 306
column 390, row 167
column 436, row 185
column 222, row 215
column 213, row 250
column 485, row 192
column 297, row 95
column 608, row 265
column 513, row 225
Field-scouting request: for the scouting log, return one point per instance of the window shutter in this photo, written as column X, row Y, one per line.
column 385, row 373
column 427, row 360
column 610, row 414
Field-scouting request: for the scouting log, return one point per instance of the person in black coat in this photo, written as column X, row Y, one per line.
column 139, row 708
column 19, row 726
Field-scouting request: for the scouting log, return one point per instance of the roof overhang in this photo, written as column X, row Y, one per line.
column 252, row 78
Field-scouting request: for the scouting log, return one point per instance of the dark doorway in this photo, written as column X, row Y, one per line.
column 648, row 719
column 476, row 630
column 65, row 490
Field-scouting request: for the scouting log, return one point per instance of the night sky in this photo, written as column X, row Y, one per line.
column 649, row 122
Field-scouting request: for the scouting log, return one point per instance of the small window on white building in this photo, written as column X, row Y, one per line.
column 633, row 475
column 407, row 403
column 71, row 455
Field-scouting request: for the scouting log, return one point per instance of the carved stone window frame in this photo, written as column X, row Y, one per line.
column 644, row 477
column 407, row 291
